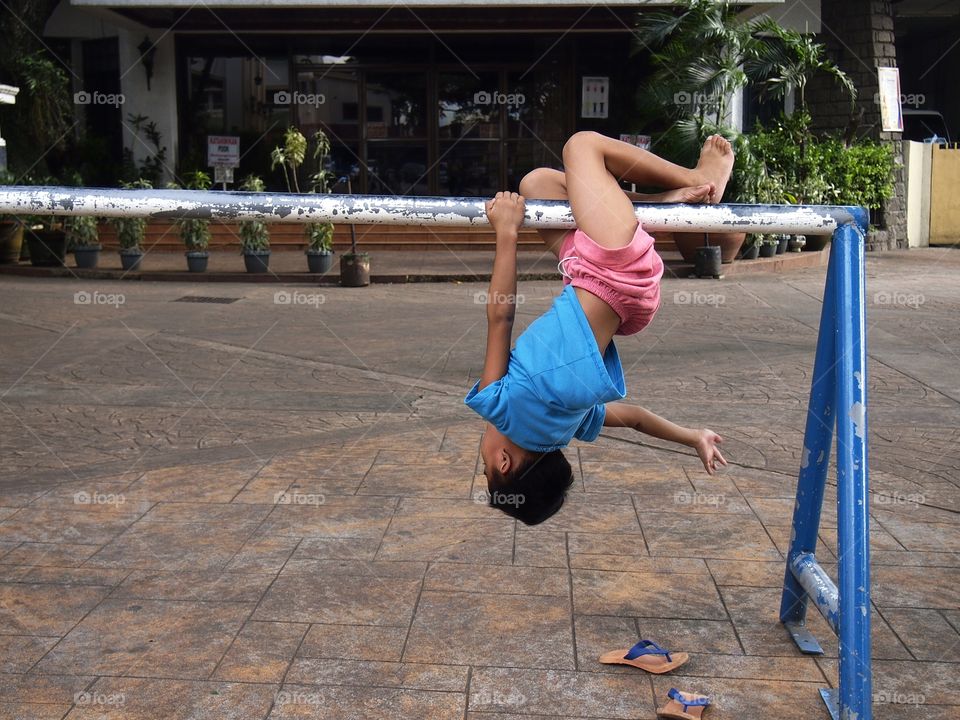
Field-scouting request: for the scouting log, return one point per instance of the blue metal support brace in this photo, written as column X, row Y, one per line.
column 837, row 399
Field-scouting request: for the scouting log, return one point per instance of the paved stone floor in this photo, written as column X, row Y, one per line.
column 268, row 508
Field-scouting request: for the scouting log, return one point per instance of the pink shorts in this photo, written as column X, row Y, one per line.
column 626, row 278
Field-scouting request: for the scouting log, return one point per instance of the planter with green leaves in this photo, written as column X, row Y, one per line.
column 83, row 240
column 751, row 248
column 195, row 232
column 11, row 230
column 131, row 231
column 768, row 246
column 289, row 157
column 254, row 234
column 320, row 247
column 46, row 241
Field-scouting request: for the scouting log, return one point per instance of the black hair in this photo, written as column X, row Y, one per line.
column 535, row 490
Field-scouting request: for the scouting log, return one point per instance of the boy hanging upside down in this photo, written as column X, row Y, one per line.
column 563, row 379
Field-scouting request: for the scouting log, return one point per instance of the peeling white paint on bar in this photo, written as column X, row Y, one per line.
column 398, row 210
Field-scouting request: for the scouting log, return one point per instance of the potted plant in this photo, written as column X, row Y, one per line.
column 131, row 231
column 289, row 157
column 782, row 240
column 195, row 232
column 11, row 230
column 254, row 234
column 46, row 241
column 751, row 248
column 768, row 246
column 320, row 247
column 83, row 240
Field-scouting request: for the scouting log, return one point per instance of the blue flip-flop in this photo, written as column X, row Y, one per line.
column 680, row 702
column 646, row 655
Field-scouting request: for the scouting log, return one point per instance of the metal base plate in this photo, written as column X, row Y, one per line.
column 804, row 639
column 832, row 701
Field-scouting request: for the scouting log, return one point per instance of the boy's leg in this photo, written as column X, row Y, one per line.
column 546, row 184
column 601, row 208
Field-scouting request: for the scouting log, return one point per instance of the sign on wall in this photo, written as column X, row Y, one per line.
column 891, row 116
column 223, row 151
column 596, row 97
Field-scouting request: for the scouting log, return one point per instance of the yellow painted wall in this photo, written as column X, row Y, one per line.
column 945, row 196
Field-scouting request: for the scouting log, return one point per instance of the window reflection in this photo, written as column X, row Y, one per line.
column 469, row 168
column 467, row 105
column 396, row 105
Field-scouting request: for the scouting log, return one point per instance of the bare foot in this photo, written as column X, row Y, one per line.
column 716, row 162
column 692, row 194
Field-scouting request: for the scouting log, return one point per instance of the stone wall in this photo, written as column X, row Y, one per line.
column 859, row 38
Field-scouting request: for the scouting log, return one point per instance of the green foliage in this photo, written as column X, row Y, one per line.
column 254, row 234
column 320, row 237
column 194, row 232
column 82, row 231
column 131, row 231
column 823, row 170
column 290, row 156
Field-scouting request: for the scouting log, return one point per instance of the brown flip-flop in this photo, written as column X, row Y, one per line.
column 676, row 708
column 646, row 655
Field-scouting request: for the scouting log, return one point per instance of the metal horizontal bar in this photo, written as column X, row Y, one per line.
column 397, row 210
column 818, row 585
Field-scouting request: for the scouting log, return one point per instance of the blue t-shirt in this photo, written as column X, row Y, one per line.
column 556, row 383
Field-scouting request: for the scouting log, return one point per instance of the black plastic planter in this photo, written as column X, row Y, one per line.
column 130, row 259
column 355, row 269
column 319, row 262
column 197, row 261
column 87, row 257
column 751, row 253
column 768, row 250
column 782, row 241
column 47, row 247
column 708, row 262
column 256, row 261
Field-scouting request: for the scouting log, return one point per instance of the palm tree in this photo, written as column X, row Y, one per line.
column 785, row 60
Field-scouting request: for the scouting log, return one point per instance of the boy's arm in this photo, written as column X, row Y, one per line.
column 505, row 212
column 704, row 441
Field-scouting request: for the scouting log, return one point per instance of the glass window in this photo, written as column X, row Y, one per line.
column 396, row 105
column 397, row 169
column 468, row 105
column 469, row 168
column 535, row 105
column 327, row 98
column 525, row 155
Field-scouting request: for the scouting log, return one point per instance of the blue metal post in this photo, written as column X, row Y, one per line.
column 817, row 441
column 853, row 539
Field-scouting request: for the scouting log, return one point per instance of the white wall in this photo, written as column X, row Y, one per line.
column 159, row 103
column 917, row 165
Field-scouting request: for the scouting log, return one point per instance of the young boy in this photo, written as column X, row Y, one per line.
column 563, row 379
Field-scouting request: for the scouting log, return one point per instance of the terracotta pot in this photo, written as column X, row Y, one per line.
column 11, row 238
column 355, row 269
column 687, row 244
